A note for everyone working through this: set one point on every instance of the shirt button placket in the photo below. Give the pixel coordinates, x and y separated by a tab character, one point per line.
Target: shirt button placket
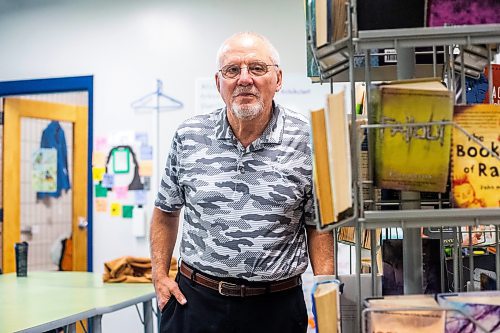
241	167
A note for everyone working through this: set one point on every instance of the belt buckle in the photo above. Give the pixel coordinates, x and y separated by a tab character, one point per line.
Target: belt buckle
221	283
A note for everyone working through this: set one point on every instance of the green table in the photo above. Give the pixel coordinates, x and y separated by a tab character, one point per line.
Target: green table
48	300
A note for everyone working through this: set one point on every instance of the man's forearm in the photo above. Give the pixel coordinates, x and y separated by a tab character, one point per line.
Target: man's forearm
320	251
163	234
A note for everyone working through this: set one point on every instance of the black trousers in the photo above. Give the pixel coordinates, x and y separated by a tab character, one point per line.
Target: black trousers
207	311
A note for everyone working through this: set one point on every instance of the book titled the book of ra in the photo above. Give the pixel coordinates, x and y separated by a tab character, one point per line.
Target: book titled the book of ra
412	144
475	156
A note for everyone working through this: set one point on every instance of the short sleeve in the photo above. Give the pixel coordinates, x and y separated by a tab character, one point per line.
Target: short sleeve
309	212
170	195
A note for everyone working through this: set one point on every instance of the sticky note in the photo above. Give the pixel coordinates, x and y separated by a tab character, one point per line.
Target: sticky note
121	192
146	168
108	180
97	173
146	152
101	205
100	192
98	159
127	211
101	143
116	209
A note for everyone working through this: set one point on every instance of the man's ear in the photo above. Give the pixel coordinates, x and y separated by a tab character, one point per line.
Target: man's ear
217	81
279	74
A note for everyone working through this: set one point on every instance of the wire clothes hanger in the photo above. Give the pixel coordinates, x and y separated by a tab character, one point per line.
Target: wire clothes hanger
163	101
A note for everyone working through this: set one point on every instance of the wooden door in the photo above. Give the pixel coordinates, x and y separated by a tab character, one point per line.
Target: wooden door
15	110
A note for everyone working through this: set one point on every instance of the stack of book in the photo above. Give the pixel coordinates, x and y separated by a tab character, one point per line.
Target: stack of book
331	162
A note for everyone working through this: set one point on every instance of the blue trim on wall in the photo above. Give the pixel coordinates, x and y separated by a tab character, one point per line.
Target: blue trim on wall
66	84
90	187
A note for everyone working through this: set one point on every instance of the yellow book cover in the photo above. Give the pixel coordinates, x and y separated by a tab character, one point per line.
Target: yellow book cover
321	169
412	150
475	172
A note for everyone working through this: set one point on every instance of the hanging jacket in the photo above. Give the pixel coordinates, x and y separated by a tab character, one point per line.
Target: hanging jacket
53	137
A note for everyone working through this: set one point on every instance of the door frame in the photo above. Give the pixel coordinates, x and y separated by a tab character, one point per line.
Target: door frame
58	85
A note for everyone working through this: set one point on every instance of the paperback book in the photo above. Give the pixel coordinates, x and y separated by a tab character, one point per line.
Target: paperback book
459	12
412	144
321	170
472	309
326	306
332	161
312	65
475	156
405	314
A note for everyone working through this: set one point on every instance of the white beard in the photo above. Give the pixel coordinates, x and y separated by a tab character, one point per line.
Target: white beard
247	112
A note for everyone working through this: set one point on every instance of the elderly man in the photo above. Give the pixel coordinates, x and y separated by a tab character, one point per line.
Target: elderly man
243	176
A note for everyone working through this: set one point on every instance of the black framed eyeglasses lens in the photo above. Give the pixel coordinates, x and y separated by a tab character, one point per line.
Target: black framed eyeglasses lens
254	68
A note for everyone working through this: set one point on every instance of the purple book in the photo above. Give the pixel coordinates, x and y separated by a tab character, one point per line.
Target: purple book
458	12
483	307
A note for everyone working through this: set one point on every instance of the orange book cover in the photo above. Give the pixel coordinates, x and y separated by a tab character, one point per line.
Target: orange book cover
475	167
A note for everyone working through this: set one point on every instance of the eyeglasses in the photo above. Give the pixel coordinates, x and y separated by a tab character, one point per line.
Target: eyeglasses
256	68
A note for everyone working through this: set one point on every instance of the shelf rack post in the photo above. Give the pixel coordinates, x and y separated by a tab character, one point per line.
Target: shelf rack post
412	242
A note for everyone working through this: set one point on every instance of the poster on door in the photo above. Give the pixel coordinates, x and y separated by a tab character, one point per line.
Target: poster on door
44	171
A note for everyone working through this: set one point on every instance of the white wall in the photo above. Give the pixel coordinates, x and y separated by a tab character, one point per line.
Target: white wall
127	45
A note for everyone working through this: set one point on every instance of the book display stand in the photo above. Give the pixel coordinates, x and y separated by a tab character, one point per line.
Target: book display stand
336	59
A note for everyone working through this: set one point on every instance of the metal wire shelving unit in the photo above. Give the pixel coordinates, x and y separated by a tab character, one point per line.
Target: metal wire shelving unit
408	216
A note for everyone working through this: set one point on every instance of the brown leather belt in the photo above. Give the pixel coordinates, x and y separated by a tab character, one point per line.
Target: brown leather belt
230	289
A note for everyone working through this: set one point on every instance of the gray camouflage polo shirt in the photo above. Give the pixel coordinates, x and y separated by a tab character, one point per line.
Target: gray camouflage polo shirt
245	209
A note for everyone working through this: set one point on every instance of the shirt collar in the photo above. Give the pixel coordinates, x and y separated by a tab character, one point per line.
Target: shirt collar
273	133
